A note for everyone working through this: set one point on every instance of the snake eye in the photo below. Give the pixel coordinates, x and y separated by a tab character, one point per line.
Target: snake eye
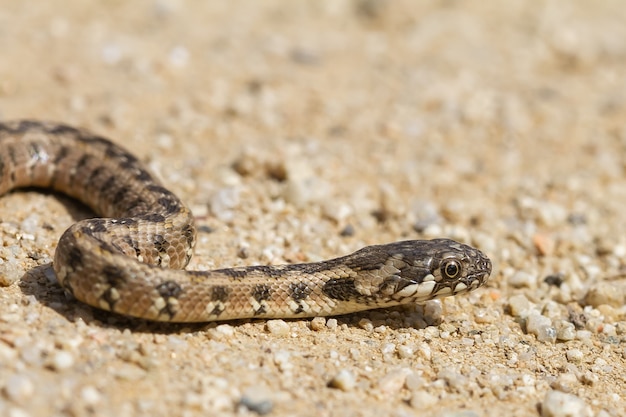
451	269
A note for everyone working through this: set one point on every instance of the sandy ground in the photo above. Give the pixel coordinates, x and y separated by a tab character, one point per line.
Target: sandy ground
299	131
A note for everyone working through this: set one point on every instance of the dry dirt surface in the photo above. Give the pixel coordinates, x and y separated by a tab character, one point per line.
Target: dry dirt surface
303	130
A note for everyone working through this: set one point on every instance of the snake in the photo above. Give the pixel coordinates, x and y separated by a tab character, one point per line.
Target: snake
132	259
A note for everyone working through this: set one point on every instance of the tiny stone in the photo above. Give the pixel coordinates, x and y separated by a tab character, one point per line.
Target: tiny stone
318	323
344	380
19	388
574	355
223	202
278	327
347	231
380	329
565	382
541	327
422	400
355	353
338	213
486	316
605	293
282	359
405	352
393	381
589	378
388	348
455	380
220	332
414	381
560	404
366	324
519	305
565	330
257	399
433	311
522	279
331	324
61	360
424	351
90	395
10	272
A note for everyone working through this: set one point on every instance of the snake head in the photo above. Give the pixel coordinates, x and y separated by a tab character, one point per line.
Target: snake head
419	270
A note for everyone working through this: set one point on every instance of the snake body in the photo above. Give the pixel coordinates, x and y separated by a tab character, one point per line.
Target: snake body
130	261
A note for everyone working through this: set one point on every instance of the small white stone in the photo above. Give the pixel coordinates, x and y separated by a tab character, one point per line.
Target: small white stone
19	388
433	311
90	395
405	351
178	56
522	279
318	323
223	203
278	327
344	380
519	305
605	293
282	359
560	404
565	330
424	351
10	272
220	332
61	360
541	327
422	400
258	399
393	381
574	355
332	324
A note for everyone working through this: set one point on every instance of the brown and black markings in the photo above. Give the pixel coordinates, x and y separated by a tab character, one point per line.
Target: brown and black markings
145	215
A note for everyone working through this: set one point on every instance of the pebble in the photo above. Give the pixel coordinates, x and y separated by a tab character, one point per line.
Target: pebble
565	330
221	332
318	323
343	380
366	324
433	312
560	404
541	327
282	359
574	355
90	395
422	400
224	202
10	271
278	327
424	351
258	400
19	388
522	279
332	324
393	381
61	360
519	305
455	380
405	351
605	293
387	349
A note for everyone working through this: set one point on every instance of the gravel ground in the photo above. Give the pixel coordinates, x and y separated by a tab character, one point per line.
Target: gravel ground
304	130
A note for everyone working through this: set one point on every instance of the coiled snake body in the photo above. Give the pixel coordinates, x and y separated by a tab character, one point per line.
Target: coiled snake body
130	261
